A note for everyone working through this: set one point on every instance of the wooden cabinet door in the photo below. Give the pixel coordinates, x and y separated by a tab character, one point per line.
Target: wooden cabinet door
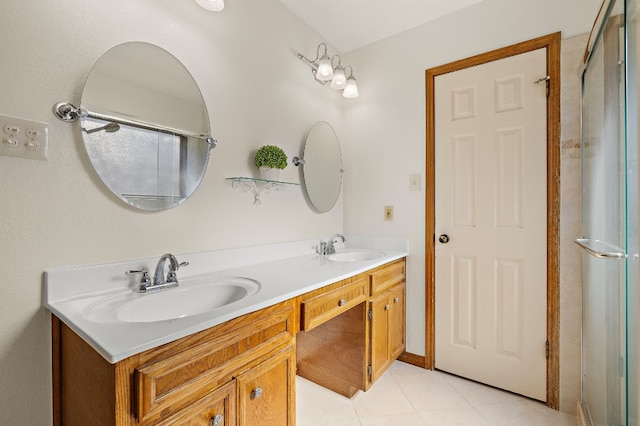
387	329
397	321
218	408
379	308
266	393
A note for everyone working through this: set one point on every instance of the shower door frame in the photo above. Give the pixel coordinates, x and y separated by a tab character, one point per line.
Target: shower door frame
609	28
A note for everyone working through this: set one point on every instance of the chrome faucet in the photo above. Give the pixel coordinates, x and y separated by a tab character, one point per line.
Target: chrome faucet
328	246
158	277
159	281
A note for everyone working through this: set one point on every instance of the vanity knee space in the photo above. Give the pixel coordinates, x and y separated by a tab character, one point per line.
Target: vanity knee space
351	331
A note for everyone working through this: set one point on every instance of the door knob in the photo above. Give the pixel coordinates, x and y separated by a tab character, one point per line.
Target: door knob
444	238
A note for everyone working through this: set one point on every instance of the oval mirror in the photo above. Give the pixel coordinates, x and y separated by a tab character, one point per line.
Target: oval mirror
145	126
322	167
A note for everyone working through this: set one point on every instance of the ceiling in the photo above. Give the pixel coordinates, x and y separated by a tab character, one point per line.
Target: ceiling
351	24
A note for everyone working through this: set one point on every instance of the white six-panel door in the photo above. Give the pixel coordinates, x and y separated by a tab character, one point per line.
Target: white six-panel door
491	277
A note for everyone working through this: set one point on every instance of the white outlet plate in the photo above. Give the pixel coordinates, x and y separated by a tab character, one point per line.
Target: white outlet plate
23	138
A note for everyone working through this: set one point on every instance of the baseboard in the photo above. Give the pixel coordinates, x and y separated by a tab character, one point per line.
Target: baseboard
582	415
413	359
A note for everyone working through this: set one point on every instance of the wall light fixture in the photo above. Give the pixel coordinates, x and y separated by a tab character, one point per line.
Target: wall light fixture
213	5
324	72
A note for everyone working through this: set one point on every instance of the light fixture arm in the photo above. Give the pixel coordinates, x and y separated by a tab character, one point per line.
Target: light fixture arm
313	65
350	72
318	52
324	71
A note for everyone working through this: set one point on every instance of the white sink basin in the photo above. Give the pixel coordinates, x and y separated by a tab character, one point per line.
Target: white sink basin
355	255
193	296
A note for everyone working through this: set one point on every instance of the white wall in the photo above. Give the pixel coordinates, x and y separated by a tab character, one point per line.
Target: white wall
386	126
59	213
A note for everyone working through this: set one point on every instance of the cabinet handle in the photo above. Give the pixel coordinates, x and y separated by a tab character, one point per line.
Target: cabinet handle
387	307
396	299
256	393
216	420
342	302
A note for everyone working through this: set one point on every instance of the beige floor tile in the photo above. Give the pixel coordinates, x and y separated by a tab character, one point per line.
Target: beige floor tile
383	399
409	419
523	413
476	393
316	421
410	396
321	405
428	390
465	416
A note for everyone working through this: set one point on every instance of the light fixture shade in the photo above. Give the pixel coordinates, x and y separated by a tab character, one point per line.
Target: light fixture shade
339	80
351	89
213	5
325	70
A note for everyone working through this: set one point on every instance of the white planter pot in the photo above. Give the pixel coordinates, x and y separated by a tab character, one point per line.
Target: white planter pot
268	173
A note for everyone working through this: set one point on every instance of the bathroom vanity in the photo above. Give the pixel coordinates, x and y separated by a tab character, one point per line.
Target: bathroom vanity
340	325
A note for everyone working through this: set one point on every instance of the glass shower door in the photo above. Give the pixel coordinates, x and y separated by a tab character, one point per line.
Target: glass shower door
604	225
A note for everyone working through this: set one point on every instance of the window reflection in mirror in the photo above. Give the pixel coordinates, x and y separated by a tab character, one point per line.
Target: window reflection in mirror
149	169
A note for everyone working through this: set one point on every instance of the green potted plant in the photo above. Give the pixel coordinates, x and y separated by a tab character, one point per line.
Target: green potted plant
270	159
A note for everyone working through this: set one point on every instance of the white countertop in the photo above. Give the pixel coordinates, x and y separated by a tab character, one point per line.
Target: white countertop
283	270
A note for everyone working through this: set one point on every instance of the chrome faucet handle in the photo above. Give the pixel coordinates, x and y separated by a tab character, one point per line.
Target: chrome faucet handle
336	237
171	275
181	264
145	280
330	248
322	248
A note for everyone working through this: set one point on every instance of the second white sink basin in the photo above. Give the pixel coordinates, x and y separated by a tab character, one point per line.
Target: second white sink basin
193	296
355	255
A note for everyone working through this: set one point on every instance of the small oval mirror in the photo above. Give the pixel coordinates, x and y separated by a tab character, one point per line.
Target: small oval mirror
145	126
322	169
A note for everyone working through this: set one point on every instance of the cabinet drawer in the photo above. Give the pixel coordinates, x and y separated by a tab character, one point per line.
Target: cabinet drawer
165	386
387	277
322	308
217	408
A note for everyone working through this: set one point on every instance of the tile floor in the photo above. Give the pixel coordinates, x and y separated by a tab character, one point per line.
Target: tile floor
410	396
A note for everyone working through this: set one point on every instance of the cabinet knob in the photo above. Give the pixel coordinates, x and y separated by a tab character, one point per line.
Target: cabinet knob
396	299
342	302
216	420
387	307
256	393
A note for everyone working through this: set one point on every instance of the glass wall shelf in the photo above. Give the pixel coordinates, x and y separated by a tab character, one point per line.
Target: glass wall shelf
258	186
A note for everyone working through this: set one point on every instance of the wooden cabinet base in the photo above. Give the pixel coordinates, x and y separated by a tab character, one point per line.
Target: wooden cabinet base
191	381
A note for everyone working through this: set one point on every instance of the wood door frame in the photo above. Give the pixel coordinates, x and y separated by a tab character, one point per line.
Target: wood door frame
551	43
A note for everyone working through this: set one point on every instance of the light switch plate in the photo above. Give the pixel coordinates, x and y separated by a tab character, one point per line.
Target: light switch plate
415	180
388	212
23	138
